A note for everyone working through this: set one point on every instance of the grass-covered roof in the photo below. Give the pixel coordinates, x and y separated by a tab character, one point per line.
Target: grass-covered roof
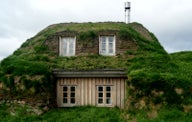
153	74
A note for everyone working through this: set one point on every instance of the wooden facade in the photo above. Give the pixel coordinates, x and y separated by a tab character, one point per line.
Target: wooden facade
102	88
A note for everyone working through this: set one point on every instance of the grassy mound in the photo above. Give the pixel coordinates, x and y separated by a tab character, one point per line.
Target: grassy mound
28	70
155	78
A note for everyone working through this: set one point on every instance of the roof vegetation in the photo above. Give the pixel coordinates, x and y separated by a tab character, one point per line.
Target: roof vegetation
155	78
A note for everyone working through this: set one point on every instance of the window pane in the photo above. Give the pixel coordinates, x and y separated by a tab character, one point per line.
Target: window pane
100	94
72	88
72	94
103	51
64	46
103	39
108	94
103	48
111	43
64	88
100	101
64	94
110	51
103	45
100	88
111	38
73	100
103	42
108	88
71	47
108	101
65	100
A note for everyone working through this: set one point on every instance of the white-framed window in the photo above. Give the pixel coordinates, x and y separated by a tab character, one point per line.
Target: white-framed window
107	45
69	94
67	46
104	95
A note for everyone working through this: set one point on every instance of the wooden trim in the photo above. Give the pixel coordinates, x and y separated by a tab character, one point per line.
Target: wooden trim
112	73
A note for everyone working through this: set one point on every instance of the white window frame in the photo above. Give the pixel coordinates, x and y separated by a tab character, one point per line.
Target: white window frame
69	97
104	92
107	53
61	46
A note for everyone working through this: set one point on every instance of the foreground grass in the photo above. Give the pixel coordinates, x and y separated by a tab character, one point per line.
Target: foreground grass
20	113
78	114
163	115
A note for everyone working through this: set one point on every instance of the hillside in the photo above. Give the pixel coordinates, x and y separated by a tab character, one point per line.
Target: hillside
155	78
183	61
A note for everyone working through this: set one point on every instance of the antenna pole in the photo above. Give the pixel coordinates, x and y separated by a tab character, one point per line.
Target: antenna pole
127	12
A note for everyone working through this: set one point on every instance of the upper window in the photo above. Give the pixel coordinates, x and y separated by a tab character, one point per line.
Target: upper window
107	45
67	46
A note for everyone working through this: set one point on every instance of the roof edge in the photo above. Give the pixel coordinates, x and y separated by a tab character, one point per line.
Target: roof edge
58	73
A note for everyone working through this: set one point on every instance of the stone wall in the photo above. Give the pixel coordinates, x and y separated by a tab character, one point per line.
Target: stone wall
85	46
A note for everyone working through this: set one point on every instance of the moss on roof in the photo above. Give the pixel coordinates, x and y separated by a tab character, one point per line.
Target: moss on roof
32	63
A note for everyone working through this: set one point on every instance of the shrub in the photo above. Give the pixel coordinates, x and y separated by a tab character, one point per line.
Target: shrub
17	66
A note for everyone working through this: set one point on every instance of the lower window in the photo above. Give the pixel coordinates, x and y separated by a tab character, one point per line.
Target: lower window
104	95
69	94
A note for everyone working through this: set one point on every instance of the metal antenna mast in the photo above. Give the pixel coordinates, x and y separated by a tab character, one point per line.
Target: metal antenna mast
127	12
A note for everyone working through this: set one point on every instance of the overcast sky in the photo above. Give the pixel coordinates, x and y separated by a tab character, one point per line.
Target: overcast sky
169	20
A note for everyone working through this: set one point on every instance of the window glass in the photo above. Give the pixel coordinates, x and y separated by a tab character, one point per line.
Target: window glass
100	94
108	101
103	45
108	95
65	100
111	38
64	88
100	88
100	100
71	47
64	47
103	38
72	88
72	94
64	94
108	88
72	100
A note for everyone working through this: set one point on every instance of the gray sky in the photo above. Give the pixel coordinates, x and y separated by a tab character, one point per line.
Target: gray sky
169	20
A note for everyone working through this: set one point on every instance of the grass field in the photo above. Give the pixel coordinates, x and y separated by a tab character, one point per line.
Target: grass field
15	113
20	113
